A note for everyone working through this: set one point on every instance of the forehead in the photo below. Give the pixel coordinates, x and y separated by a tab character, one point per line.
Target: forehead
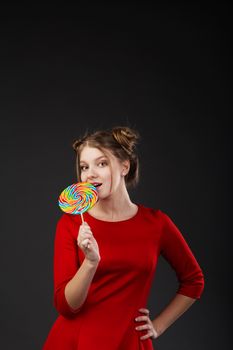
89	154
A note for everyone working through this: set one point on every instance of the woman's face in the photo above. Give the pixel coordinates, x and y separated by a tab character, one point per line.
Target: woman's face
96	168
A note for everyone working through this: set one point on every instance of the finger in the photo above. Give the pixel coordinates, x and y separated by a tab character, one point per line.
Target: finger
85	236
86	230
145	326
81	238
145	311
148	335
142	318
85	243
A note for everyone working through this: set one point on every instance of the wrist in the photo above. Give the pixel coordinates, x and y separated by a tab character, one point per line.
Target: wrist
159	329
91	263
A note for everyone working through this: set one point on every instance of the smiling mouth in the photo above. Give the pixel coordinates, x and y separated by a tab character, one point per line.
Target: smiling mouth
97	184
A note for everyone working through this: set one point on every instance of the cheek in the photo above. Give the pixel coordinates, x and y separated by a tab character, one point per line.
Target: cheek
82	176
115	179
107	173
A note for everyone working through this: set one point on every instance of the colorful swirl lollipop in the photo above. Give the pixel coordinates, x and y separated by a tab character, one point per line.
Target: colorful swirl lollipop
78	198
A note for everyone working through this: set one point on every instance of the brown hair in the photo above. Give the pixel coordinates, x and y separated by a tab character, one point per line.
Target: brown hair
121	141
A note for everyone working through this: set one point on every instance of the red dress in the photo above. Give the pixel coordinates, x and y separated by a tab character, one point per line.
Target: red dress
129	251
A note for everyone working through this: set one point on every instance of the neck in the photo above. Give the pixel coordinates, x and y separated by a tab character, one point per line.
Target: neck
114	205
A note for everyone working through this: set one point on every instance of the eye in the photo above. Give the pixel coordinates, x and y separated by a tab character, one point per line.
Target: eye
82	167
103	163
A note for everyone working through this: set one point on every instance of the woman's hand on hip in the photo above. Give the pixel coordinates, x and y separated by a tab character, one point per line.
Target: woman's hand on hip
148	326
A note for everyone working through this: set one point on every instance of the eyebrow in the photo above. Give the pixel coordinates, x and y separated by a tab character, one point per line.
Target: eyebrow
83	161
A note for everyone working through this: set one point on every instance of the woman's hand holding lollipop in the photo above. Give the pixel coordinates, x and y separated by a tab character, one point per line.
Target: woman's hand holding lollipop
88	244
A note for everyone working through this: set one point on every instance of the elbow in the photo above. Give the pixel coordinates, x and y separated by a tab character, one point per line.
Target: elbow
200	283
61	305
193	286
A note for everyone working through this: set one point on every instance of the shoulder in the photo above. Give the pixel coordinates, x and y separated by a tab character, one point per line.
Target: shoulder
65	223
67	219
64	219
154	214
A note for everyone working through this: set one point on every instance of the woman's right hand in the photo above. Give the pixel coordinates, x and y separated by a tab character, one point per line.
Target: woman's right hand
88	244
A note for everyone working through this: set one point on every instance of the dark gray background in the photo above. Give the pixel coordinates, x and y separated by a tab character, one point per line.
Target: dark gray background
163	70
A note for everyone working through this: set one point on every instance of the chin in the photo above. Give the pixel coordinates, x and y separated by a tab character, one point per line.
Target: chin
104	196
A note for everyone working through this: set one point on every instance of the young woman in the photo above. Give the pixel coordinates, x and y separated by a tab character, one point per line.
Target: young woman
103	269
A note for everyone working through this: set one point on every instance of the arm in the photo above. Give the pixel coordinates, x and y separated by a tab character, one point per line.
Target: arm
77	288
176	251
71	280
177	306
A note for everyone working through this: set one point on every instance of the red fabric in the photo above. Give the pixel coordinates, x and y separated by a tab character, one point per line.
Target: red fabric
129	253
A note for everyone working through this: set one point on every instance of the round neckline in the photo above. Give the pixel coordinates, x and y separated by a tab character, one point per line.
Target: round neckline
116	222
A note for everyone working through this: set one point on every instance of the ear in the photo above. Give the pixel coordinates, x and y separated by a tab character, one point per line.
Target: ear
125	167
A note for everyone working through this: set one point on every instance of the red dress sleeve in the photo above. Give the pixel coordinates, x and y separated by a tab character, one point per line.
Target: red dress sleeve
176	251
65	264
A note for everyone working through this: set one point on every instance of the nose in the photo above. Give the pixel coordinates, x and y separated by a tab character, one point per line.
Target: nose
90	175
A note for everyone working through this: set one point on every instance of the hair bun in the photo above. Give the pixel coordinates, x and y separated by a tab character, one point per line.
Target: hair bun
126	137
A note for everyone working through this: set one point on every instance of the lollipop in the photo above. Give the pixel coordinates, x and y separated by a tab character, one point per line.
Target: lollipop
78	198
